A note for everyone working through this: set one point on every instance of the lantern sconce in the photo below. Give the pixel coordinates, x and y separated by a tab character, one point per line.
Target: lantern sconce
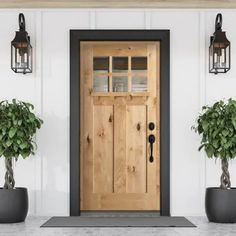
21	50
219	50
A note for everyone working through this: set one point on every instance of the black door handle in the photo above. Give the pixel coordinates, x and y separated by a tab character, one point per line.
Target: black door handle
151	140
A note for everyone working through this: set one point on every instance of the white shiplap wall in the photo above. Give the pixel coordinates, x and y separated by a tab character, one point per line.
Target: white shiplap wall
47	174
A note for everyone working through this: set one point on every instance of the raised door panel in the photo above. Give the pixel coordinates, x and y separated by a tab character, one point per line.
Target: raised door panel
136	136
103	149
120	169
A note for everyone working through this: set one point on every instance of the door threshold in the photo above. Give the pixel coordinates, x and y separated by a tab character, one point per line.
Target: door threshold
120	213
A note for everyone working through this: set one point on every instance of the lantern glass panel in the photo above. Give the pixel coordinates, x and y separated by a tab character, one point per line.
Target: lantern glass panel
219	60
21	58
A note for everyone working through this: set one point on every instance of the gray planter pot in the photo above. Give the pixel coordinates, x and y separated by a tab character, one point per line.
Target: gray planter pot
220	205
13	205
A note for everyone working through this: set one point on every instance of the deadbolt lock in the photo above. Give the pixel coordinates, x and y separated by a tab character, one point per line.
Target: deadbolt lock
151	126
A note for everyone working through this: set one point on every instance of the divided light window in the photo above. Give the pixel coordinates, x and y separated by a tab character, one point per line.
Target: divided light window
120	74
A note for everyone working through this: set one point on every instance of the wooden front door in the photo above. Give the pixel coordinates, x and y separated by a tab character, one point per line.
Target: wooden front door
119	99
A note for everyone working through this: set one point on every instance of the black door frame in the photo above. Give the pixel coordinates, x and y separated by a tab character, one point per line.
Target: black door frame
76	36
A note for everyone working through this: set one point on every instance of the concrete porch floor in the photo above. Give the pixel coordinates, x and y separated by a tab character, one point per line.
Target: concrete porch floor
32	228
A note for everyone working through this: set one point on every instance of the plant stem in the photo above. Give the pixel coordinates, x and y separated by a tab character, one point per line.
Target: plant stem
9	178
225	177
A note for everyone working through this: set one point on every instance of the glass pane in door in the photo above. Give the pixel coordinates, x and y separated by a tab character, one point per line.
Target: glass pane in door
139	84
100	84
120	64
120	84
139	64
101	64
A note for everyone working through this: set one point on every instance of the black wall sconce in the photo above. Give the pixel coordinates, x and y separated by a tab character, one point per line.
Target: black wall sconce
21	50
219	50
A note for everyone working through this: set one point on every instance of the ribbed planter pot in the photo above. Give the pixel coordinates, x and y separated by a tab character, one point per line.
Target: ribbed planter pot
13	205
220	205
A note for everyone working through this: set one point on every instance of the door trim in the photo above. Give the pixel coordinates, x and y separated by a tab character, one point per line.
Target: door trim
76	36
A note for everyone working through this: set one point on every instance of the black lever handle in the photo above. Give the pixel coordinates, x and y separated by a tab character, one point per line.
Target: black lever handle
151	140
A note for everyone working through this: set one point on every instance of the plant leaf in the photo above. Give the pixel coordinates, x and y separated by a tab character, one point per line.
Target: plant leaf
23	145
9	142
12	132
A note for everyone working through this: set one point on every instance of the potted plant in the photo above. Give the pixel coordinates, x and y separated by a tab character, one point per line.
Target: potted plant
18	125
217	128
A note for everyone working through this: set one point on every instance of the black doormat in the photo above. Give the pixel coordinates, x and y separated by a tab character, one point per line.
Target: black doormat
87	221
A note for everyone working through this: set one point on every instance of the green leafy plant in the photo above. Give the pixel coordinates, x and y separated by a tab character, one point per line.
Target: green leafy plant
18	125
217	127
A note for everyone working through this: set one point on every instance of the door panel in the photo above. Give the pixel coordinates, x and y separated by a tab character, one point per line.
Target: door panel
120	148
119	97
136	133
103	149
